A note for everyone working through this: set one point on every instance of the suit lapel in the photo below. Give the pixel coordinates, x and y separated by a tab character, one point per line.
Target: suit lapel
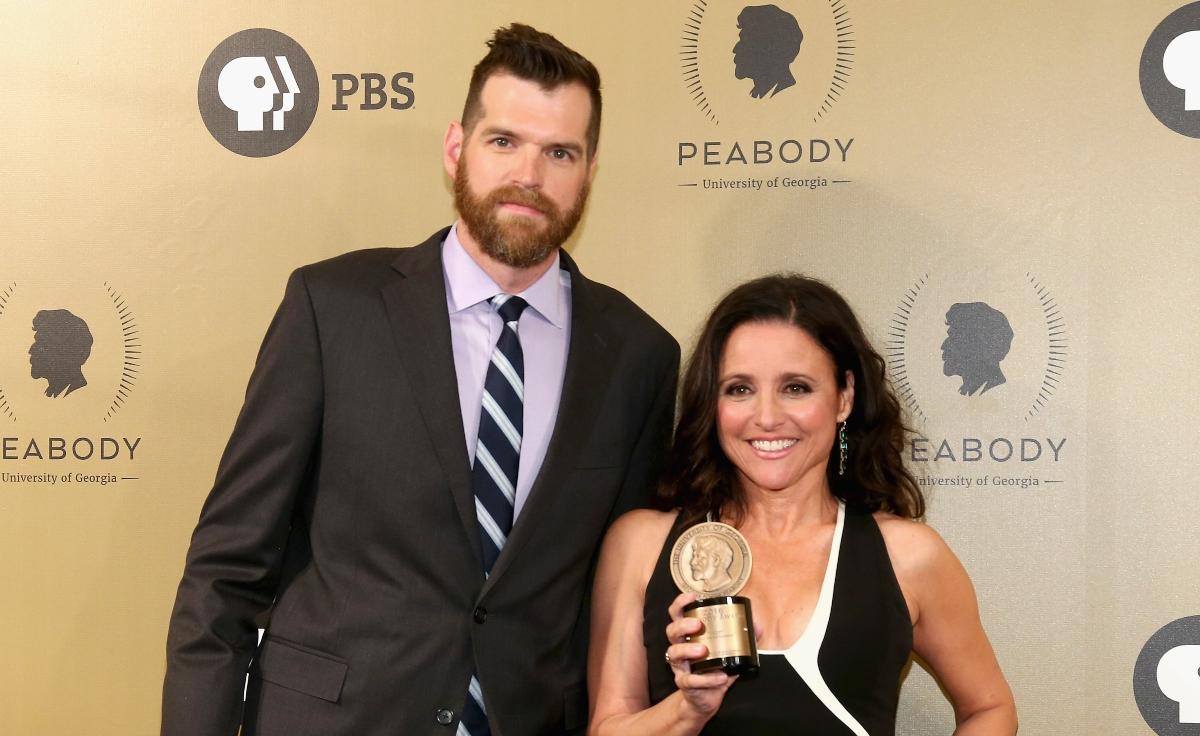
585	382
416	307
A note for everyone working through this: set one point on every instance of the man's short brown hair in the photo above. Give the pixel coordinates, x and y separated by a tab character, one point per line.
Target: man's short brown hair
527	53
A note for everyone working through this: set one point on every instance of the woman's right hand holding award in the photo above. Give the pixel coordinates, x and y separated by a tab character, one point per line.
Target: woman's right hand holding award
703	692
712	561
711	631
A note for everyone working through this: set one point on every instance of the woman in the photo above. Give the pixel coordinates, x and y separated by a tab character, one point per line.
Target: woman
845	583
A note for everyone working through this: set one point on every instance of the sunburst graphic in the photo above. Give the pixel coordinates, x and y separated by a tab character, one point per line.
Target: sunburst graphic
846	47
689	56
843	48
897	334
4	405
898	343
132	363
1056	348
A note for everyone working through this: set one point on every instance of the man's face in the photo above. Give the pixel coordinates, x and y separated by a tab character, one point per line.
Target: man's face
521	174
955	355
748	60
39	358
703	566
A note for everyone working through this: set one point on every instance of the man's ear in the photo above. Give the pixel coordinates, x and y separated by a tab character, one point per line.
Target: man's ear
452	148
592	166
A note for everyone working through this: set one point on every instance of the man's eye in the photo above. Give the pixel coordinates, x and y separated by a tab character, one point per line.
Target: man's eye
561	154
501	142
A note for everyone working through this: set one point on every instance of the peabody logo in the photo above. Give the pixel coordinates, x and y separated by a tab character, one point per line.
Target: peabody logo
80	350
62	343
258	92
1166	679
1170	71
978	345
791	57
763	73
75	355
978	359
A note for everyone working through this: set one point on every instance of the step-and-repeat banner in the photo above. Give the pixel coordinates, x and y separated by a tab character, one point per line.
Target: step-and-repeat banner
1007	192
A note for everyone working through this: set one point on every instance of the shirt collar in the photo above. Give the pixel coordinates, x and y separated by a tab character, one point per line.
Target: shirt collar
467	284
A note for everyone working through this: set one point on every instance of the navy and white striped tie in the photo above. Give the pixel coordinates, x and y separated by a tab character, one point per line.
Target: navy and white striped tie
497	458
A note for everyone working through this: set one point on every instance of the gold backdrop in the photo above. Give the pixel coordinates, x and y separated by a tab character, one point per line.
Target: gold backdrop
928	154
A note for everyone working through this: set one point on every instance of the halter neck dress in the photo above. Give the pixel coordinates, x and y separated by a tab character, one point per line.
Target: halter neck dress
841	677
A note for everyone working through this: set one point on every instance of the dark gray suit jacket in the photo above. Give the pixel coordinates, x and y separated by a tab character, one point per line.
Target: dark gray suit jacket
343	508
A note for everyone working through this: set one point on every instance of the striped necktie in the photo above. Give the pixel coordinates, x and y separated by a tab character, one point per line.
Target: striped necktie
497	457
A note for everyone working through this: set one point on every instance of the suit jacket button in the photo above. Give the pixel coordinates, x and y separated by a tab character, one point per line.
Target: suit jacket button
445	716
480	615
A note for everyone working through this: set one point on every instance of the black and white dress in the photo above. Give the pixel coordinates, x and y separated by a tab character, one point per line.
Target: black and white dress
841	677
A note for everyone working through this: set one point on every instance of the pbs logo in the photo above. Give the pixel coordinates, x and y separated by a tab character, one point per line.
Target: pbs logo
258	92
1166	679
1170	71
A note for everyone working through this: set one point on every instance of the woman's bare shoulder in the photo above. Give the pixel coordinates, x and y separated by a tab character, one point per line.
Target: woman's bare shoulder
632	546
642	527
910	543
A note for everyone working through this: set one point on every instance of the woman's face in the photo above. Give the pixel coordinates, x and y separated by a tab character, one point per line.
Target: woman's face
778	405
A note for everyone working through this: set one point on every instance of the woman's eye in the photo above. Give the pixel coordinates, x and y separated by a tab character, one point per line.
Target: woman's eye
737	389
796	388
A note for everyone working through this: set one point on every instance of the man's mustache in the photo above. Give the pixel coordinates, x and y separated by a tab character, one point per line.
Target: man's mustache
525	197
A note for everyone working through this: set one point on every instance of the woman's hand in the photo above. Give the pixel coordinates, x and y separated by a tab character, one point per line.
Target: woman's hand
702	693
617	666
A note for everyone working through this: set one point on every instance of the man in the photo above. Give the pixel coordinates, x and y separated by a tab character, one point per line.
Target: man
768	42
978	338
711	559
62	343
421	474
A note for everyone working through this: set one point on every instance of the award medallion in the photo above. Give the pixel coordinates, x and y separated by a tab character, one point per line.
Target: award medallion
712	561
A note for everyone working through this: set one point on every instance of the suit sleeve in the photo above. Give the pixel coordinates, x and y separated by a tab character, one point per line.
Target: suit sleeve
236	550
650	452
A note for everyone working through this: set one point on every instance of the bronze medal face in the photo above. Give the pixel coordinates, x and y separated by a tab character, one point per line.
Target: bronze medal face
711	559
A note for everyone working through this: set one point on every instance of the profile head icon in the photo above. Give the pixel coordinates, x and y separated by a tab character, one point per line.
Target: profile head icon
1181	65
1178	675
62	343
711	559
248	86
767	45
978	337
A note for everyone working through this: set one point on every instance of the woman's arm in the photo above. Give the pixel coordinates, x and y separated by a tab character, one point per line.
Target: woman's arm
617	657
947	632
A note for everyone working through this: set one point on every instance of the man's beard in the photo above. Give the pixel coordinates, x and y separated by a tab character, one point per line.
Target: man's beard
515	241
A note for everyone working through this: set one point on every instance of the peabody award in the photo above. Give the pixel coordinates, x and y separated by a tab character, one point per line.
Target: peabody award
712	560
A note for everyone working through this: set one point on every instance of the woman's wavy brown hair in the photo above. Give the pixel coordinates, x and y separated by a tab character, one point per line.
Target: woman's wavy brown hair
699	478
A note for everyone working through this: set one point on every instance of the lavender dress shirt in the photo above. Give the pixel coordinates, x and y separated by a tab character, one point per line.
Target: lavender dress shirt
545	332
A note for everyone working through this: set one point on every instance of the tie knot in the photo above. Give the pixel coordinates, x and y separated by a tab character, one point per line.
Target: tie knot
509	307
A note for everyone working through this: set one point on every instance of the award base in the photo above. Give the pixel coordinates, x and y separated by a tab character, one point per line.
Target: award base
728	633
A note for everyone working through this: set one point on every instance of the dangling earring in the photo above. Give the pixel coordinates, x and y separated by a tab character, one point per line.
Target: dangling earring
843	449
